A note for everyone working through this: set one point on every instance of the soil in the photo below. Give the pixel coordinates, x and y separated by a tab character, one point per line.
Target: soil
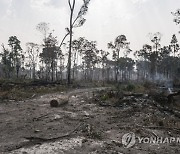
84	126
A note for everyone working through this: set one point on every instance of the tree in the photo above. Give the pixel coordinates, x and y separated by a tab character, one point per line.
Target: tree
125	65
103	60
77	22
176	16
154	55
119	43
49	55
61	65
43	27
147	55
33	54
77	48
155	39
89	58
6	62
174	44
16	54
143	67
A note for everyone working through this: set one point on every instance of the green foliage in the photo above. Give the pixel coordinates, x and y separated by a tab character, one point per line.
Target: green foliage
119	43
176	16
12	59
20	90
104	97
130	87
174	45
125	63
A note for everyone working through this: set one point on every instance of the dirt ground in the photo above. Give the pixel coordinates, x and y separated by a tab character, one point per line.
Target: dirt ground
84	126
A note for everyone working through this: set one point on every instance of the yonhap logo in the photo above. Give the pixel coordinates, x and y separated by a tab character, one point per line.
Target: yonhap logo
128	140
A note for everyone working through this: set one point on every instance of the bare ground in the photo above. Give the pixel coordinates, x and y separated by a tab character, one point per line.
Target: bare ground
83	126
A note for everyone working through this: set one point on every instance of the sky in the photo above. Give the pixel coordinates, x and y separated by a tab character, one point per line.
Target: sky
105	20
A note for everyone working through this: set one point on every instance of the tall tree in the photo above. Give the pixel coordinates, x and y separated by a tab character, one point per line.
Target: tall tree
6	62
154	55
33	55
126	66
77	46
174	44
43	27
49	55
103	60
147	56
143	67
16	53
90	58
119	43
176	16
77	22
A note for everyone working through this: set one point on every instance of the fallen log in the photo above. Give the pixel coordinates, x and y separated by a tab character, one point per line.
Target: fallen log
58	103
41	139
135	94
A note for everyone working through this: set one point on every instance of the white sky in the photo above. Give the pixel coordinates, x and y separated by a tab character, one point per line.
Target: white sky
106	19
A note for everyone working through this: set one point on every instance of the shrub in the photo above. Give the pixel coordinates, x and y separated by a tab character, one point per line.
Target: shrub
130	87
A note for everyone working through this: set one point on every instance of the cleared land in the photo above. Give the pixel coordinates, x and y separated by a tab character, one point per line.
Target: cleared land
90	123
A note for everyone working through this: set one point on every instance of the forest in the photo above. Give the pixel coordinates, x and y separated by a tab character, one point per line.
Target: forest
69	96
80	59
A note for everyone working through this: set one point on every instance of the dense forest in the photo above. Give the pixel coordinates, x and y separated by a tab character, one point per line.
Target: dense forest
80	59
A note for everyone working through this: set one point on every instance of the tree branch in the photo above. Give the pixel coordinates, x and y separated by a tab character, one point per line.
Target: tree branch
75	20
63	40
69	4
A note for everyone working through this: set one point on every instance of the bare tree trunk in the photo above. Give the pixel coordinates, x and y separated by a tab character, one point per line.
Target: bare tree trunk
34	72
74	65
70	41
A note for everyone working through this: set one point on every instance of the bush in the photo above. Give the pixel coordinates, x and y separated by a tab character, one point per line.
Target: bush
130	87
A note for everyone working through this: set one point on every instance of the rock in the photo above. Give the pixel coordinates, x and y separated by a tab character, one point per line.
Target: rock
36	131
56	117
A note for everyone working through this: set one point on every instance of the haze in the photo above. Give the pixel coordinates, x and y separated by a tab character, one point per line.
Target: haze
106	19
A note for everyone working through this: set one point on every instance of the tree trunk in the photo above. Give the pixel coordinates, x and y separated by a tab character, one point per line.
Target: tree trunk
70	42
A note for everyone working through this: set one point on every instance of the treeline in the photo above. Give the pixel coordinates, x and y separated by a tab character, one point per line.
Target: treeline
51	62
156	62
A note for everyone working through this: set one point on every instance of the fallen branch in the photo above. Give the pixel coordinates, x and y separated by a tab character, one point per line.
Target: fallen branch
40	139
42	116
168	109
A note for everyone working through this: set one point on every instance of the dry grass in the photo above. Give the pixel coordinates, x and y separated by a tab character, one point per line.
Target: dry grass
21	91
